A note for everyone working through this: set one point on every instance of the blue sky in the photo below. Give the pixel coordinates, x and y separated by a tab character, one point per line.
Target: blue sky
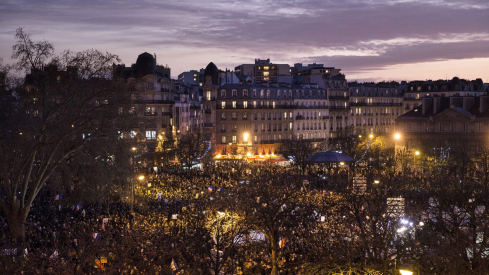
369	40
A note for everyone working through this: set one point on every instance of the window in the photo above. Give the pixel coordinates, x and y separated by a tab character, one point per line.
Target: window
273	104
150	111
132	134
151	135
223	104
245	93
223	116
234	104
223	139
234	92
234	139
223	93
245	104
285	115
254	104
208	95
290	125
233	115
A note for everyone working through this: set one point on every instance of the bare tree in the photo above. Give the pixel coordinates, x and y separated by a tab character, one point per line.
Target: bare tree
62	108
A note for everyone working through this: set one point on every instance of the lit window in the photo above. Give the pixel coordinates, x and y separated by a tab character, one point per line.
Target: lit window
273	104
254	104
266	68
151	135
208	95
234	104
290	125
132	134
234	139
245	104
266	74
223	139
285	115
223	104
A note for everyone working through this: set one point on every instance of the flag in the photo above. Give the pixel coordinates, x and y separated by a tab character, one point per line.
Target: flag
57	197
95	235
209	189
220	189
173	265
282	241
78	207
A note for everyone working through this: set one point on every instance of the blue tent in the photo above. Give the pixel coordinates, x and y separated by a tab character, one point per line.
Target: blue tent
327	157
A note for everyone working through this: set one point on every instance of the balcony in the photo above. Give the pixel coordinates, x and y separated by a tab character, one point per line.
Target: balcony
339	97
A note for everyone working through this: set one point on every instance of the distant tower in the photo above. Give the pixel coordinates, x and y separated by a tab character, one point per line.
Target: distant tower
210	87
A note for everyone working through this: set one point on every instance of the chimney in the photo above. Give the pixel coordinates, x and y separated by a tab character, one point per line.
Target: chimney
427	103
484	101
456	101
436	105
468	102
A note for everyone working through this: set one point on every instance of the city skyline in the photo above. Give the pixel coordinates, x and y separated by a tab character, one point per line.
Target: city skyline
369	40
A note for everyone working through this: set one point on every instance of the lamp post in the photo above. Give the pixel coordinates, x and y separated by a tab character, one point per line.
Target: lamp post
397	136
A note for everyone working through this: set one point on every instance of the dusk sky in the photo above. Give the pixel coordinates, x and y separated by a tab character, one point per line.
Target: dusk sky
368	39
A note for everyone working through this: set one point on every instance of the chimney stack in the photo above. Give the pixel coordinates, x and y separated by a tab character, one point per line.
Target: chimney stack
427	103
468	102
436	104
484	101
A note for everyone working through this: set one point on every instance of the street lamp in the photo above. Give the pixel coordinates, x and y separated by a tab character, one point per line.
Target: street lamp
397	136
405	272
246	136
417	153
371	136
141	177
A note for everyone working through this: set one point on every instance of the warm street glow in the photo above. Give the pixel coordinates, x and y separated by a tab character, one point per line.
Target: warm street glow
371	136
141	177
397	136
133	149
417	153
246	135
405	272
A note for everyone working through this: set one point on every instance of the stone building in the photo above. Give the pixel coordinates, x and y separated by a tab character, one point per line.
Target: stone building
374	109
161	111
442	122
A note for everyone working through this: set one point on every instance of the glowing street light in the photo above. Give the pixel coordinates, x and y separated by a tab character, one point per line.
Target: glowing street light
371	136
141	177
405	272
397	136
417	153
246	136
134	149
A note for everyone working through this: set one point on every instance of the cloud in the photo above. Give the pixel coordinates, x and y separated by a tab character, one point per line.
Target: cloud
355	35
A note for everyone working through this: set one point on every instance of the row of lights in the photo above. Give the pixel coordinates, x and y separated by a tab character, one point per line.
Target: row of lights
397	136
